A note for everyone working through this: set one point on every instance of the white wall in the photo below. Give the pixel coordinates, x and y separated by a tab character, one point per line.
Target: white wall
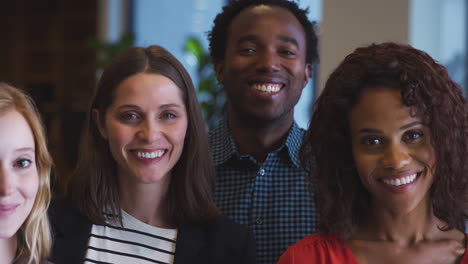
348	24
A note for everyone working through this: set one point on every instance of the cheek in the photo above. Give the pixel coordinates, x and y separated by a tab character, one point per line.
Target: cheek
182	133
117	135
178	134
364	170
365	166
426	156
236	65
298	68
30	185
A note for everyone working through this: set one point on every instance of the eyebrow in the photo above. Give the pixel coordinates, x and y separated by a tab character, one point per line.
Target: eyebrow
26	149
163	106
254	38
247	38
411	124
289	39
371	130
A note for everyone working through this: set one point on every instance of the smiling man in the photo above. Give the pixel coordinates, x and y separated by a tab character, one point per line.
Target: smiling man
263	51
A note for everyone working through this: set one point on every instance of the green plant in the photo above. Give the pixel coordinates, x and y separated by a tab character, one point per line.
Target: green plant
210	93
107	51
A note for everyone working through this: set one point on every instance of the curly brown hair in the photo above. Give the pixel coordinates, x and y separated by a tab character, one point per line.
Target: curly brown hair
427	89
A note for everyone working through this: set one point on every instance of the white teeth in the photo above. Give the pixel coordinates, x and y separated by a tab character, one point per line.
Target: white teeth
268	88
150	155
400	181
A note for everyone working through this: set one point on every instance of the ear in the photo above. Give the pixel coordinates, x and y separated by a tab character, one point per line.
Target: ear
219	70
307	73
99	124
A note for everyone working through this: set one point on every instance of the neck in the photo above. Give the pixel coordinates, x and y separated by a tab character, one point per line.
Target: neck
8	249
404	228
144	201
258	137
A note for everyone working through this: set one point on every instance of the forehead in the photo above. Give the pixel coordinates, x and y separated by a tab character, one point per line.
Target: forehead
15	132
147	87
254	20
380	107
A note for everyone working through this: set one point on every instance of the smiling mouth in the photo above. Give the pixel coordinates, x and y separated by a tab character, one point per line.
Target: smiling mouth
267	87
401	181
150	155
7	209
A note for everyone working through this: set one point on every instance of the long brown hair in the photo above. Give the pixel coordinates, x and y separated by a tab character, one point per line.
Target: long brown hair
94	186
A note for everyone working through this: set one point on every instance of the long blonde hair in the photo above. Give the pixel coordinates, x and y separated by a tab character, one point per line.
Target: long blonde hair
34	239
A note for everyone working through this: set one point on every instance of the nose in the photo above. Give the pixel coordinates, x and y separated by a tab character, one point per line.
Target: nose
396	157
7	185
149	131
268	61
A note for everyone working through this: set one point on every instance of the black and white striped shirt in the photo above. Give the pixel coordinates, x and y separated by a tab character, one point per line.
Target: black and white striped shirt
135	242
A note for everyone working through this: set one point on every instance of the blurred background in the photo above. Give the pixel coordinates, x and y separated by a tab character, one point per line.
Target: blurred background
56	49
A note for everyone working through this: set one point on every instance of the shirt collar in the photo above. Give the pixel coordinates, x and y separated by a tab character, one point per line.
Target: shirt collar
222	143
223	146
293	143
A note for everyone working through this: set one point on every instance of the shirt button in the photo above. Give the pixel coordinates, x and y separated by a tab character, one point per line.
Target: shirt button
262	172
259	220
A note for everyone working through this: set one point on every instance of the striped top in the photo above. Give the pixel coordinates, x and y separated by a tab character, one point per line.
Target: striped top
135	242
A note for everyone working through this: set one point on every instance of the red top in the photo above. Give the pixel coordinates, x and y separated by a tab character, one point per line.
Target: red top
318	248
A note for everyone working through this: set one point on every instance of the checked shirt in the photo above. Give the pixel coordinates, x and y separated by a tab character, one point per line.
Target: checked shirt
272	198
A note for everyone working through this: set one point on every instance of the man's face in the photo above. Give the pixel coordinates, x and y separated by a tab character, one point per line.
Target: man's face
264	68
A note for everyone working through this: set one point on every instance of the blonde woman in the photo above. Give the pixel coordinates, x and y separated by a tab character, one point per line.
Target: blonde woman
24	181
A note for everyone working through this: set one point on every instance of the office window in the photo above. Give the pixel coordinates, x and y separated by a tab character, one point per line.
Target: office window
439	27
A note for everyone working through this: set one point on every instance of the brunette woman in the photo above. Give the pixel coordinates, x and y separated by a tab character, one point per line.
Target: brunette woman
142	189
389	135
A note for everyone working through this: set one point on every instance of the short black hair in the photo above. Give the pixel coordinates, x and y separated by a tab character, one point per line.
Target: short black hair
218	35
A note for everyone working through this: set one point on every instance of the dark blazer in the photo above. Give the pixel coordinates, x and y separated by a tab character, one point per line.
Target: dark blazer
217	241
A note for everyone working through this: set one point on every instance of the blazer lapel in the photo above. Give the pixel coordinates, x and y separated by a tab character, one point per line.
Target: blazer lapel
71	234
190	241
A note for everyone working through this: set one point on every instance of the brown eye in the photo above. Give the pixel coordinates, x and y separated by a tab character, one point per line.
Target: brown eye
288	53
23	163
371	141
128	116
247	51
412	135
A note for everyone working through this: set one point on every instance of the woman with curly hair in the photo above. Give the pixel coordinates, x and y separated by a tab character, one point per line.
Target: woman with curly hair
388	148
25	166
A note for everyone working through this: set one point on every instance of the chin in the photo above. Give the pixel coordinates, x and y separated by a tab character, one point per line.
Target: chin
148	179
8	232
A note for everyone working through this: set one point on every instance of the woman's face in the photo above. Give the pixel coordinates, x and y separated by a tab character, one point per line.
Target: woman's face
19	179
145	127
392	150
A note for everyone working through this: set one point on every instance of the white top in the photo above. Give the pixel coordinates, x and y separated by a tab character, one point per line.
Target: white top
135	242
